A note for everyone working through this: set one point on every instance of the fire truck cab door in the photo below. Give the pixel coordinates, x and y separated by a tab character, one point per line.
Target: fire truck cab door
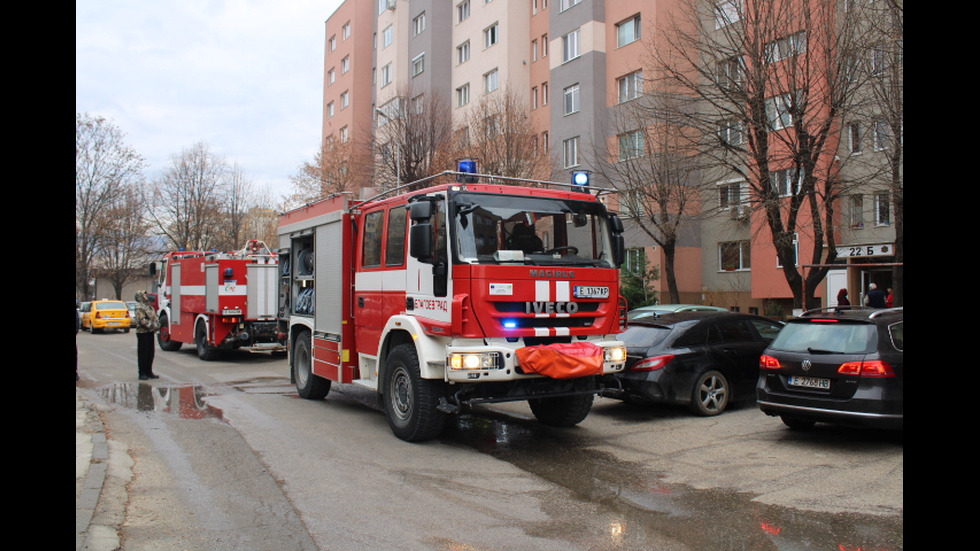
428	283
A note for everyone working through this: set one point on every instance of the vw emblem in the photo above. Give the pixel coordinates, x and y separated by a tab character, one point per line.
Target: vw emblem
806	365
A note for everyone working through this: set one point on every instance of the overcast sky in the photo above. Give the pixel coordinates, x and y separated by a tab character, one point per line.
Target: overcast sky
244	77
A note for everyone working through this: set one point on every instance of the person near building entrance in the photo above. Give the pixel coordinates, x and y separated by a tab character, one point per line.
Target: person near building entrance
890	299
875	297
147	323
842	299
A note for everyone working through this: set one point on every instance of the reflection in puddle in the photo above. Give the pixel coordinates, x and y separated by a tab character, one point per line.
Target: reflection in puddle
186	401
634	508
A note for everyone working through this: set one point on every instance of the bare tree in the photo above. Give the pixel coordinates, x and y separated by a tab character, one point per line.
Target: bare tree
189	199
413	139
330	172
500	136
128	247
104	167
771	79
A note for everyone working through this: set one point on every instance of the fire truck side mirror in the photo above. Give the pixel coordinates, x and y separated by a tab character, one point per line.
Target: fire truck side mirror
618	242
421	211
153	268
420	236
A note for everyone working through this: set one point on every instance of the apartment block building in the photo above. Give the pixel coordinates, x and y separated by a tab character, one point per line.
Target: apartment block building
577	65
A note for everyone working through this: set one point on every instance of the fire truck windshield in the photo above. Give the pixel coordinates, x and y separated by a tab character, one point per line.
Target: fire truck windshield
494	229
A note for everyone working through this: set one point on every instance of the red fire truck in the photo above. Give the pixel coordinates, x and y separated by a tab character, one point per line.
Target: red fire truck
455	294
219	301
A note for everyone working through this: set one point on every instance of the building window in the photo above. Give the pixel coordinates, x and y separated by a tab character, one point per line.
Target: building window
854	137
418	65
534	97
734	255
570	152
786	182
345	64
786	47
565	4
344	135
630	145
330	110
571	99
346	31
729	195
779	111
883	215
796	252
463	95
418	24
344	99
727	12
491	35
463	52
628	31
387	36
534	50
331	76
731	132
386	75
731	73
491	81
882	135
333	43
544	93
544	45
569	46
630	86
462	11
636	261
856	214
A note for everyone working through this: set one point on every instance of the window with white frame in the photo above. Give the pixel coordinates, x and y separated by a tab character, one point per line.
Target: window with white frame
570	152
731	73
630	145
855	215
491	35
345	64
569	46
462	11
628	31
731	132
734	256
463	52
779	111
786	46
344	99
333	43
386	75
796	252
534	50
727	12
854	137
346	31
786	182
883	216
544	45
387	36
330	110
565	4
544	93
630	86
571	99
534	97
331	76
463	95
730	195
418	65
882	135
418	24
491	81
344	134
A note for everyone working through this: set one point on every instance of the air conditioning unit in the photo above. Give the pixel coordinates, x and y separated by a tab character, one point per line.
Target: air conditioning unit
390	4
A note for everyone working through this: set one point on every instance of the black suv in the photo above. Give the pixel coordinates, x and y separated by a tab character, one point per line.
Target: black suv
836	365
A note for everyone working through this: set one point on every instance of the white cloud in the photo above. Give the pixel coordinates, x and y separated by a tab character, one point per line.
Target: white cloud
243	76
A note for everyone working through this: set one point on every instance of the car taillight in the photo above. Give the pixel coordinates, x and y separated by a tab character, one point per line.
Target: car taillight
98	315
876	368
652	364
768	362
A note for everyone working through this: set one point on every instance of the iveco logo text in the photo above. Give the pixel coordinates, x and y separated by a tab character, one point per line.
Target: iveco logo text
565	274
540	307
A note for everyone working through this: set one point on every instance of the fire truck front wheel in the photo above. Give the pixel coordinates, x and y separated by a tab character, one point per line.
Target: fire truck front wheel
411	402
308	385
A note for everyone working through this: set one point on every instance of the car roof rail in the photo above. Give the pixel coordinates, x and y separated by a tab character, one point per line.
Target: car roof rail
886	311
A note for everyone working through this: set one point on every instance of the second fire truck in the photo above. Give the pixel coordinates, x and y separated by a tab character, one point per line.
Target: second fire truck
457	294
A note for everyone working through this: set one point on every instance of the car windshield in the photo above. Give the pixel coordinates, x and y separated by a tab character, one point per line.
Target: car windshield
644	336
110	306
492	229
840	338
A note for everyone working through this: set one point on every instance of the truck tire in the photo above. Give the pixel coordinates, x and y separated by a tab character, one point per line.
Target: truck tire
163	336
308	385
562	411
411	402
204	349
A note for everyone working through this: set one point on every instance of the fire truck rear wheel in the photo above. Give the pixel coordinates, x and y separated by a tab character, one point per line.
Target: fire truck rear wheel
562	411
204	349
308	385
411	402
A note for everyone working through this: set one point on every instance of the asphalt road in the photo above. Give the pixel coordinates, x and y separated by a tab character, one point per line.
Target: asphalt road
224	455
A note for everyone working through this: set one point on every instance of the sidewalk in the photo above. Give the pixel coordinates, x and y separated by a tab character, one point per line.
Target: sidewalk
96	524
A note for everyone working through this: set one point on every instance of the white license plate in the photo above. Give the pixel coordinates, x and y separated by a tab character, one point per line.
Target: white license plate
584	291
113	323
810	382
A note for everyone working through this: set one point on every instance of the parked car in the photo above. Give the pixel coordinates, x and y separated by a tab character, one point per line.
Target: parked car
836	365
131	306
84	311
106	314
656	309
700	359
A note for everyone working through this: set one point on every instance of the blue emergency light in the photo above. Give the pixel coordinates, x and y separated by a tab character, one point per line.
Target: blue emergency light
581	178
467	166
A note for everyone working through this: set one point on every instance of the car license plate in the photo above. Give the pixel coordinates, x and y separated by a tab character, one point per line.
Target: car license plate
585	291
810	382
113	323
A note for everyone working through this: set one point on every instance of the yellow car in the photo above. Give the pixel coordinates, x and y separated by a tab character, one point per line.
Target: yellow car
106	314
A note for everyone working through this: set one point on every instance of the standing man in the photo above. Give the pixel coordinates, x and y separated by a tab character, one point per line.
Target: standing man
875	297
147	323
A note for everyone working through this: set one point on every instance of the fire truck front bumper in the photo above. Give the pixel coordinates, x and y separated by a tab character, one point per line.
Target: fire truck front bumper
491	363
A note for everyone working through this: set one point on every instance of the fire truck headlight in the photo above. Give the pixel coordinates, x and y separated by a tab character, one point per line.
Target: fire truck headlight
482	360
615	354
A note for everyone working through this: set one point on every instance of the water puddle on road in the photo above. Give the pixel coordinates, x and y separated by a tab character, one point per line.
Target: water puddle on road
633	507
185	401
